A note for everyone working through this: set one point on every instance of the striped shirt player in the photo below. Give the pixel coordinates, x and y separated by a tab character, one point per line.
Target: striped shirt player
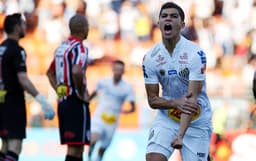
173	73
73	112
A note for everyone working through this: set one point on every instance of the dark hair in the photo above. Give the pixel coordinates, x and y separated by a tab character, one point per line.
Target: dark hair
173	5
11	21
118	62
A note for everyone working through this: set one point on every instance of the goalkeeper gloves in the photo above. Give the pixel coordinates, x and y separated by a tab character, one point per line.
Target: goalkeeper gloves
46	107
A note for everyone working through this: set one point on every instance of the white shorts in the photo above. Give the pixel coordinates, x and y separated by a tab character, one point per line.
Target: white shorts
105	131
195	147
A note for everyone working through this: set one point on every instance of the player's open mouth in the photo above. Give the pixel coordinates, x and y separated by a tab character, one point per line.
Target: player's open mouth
168	28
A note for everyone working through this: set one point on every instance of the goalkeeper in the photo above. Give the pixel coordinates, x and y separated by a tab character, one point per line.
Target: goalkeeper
13	82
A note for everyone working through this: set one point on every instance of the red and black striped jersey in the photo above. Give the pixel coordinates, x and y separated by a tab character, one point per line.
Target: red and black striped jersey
70	52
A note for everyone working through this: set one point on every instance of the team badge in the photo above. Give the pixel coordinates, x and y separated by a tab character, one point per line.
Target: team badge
162	72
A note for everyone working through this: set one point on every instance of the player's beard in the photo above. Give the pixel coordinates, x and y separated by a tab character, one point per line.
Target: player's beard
21	34
85	35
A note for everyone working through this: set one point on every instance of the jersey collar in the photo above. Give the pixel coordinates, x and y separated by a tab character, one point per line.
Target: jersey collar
75	38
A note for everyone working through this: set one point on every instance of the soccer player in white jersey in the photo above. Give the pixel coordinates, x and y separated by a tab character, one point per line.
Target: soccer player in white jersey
184	114
113	92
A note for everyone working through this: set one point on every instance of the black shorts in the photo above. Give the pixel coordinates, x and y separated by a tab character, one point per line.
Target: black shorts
74	121
13	118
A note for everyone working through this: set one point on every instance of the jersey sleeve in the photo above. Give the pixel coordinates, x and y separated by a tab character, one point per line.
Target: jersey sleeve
197	66
99	85
20	61
80	55
52	65
149	73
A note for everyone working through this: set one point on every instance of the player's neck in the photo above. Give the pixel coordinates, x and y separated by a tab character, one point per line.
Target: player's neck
116	80
170	44
13	37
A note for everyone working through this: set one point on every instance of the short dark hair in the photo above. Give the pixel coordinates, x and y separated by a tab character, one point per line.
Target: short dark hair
11	21
173	5
118	62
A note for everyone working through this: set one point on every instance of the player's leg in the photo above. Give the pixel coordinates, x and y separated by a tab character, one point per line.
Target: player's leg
100	154
184	123
155	156
105	140
196	144
95	136
74	153
14	149
14	123
158	148
3	149
75	137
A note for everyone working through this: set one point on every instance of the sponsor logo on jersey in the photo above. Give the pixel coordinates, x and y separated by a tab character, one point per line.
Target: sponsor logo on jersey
201	155
202	56
171	72
183	58
160	60
203	69
144	71
154	52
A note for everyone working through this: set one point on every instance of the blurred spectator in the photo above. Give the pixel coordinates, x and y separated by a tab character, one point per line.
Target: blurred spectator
190	31
108	22
128	16
225	40
254	85
142	23
56	26
81	7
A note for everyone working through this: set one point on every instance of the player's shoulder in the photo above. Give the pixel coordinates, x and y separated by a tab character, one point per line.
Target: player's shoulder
126	85
194	50
190	45
152	52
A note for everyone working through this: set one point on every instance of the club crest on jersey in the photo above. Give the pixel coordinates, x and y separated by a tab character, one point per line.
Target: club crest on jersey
184	73
162	72
160	60
183	58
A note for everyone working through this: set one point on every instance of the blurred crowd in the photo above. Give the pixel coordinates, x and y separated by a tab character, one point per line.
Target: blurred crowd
126	29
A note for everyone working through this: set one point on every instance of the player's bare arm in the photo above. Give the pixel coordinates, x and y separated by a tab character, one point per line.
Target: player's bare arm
94	94
27	84
52	78
132	108
194	88
156	102
30	88
78	75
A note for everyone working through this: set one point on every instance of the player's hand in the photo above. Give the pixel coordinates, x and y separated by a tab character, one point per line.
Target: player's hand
48	111
46	107
187	106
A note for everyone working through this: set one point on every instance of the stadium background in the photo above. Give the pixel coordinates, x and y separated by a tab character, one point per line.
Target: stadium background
126	29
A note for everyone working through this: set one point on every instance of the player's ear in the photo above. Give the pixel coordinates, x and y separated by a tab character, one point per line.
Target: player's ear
183	24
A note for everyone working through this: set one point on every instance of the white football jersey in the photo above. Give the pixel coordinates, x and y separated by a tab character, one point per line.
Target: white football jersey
112	96
173	73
